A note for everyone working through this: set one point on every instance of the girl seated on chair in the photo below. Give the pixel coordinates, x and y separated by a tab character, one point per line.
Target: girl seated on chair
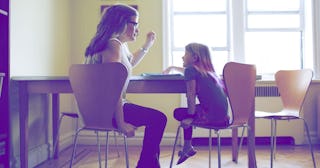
203	83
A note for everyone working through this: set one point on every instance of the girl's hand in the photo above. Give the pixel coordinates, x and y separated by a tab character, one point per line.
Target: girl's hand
186	122
127	129
151	37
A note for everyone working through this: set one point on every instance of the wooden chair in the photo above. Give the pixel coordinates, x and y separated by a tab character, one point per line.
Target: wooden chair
293	86
240	82
97	89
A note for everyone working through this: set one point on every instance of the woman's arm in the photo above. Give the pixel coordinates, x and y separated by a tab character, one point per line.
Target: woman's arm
112	54
124	127
138	55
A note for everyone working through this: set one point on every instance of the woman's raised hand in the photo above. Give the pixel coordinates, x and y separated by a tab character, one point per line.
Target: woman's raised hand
151	37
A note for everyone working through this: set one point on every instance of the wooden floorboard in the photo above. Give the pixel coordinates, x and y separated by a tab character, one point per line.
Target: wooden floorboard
288	156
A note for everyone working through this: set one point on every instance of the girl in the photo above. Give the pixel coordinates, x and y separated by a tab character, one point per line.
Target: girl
119	25
203	83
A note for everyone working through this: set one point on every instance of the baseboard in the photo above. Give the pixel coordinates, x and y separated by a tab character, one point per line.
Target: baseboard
90	139
36	156
42	153
204	141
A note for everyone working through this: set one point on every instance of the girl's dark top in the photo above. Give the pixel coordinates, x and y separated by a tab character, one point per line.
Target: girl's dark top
211	95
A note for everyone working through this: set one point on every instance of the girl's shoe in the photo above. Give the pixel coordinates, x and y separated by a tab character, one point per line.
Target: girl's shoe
185	155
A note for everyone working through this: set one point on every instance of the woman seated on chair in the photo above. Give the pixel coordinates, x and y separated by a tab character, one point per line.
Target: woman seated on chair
119	25
204	83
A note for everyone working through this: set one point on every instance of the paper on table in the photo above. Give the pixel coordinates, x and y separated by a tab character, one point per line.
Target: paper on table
159	75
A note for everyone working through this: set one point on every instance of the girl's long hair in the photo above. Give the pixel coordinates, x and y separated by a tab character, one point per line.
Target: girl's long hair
112	24
202	54
204	65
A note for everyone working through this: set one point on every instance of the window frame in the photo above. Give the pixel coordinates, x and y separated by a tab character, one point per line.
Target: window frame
237	29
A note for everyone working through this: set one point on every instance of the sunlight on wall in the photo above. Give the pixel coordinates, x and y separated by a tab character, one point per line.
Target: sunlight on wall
39	37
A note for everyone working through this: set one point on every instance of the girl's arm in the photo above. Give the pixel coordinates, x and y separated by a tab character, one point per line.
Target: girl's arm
191	99
138	55
191	96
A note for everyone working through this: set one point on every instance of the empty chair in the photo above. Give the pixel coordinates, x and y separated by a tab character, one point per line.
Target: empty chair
293	86
240	83
97	89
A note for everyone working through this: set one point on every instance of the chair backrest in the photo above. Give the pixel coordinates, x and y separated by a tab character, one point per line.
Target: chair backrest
240	82
97	89
293	86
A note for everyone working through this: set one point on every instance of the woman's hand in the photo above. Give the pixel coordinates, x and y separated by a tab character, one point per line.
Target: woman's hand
186	122
151	37
168	70
127	129
173	69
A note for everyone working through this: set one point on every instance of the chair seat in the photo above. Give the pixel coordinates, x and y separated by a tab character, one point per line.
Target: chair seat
204	123
284	114
70	114
101	129
210	126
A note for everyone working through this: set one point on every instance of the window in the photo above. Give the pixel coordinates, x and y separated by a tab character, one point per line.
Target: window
271	34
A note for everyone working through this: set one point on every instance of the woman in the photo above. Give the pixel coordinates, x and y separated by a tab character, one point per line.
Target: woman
119	25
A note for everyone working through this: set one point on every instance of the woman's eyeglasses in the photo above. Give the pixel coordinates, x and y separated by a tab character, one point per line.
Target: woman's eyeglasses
135	24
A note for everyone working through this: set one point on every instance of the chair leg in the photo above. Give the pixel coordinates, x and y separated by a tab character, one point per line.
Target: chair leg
74	148
99	148
174	146
241	141
275	140
126	150
107	150
219	148
116	142
58	133
272	141
310	143
210	146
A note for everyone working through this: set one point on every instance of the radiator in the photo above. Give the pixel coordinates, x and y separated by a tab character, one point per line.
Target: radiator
267	99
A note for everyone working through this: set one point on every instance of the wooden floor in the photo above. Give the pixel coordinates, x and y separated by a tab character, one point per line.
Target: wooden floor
287	157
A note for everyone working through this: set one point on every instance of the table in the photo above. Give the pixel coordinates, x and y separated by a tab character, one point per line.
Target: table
55	85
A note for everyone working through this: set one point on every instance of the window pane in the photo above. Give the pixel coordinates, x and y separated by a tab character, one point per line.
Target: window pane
199	5
207	29
272	51
219	59
273	21
177	58
273	5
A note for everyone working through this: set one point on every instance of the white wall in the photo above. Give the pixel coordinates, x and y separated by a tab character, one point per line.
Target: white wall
39	45
39	37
